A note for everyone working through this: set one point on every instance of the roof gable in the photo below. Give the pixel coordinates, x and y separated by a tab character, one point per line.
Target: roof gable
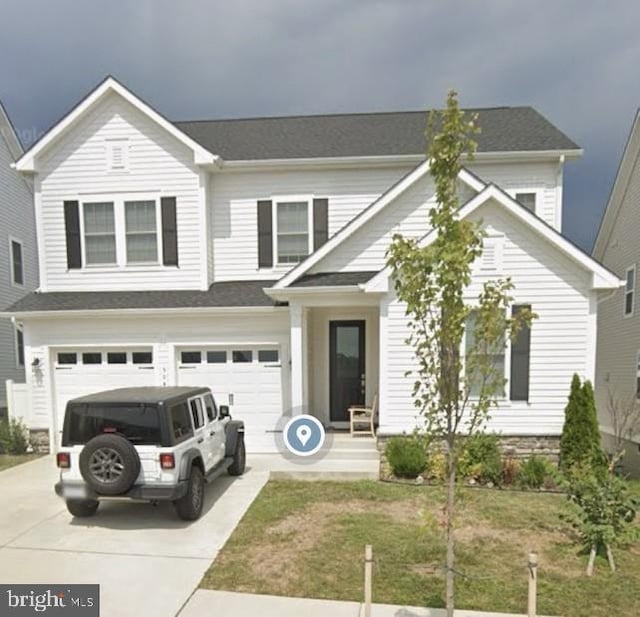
8	134
616	197
28	161
602	278
365	216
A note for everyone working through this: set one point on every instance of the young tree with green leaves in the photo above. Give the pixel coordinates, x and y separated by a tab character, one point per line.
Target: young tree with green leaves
453	392
580	442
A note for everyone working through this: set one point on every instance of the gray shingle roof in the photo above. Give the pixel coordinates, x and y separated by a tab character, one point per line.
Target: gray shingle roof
329	279
231	293
504	129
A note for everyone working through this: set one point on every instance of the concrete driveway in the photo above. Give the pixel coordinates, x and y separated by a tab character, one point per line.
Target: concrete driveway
146	561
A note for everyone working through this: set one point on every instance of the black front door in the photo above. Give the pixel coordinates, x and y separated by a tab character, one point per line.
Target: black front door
346	367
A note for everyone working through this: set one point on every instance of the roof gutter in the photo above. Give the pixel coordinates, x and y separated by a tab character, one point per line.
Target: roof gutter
387	160
200	310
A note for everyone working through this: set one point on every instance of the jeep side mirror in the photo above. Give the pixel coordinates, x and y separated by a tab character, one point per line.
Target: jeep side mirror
224	411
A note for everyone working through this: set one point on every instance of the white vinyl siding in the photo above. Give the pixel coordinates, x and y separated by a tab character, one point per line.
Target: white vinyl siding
233	225
150	342
75	168
542	178
559	294
17	224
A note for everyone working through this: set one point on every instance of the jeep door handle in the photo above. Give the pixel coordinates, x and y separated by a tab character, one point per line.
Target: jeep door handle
201	440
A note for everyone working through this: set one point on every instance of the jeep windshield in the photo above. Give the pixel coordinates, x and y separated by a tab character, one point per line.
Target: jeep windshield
139	423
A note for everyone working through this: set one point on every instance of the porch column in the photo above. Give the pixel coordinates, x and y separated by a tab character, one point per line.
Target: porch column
297	316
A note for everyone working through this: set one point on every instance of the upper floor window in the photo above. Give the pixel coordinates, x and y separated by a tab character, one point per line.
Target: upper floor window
629	290
527	199
293	242
99	233
141	231
17	267
120	231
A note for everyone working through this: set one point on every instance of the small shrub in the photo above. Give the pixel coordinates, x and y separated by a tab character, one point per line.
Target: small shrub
510	471
437	466
13	436
481	458
406	457
536	472
580	441
602	510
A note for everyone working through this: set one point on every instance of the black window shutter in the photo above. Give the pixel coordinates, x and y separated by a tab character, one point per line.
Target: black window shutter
72	227
169	231
265	234
520	352
320	222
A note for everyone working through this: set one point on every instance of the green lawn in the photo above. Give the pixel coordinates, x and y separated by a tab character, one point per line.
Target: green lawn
11	460
307	539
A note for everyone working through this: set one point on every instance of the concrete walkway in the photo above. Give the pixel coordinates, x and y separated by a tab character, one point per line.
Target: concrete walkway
206	603
146	560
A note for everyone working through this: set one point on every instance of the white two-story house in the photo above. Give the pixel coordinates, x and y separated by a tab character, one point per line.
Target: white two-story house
249	255
18	261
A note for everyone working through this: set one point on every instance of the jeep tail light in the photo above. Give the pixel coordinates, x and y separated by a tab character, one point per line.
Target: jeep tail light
64	460
167	461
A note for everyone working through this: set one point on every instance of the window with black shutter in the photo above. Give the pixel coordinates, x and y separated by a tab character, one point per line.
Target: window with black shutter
520	356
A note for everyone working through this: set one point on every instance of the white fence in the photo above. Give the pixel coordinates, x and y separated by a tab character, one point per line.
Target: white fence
18	402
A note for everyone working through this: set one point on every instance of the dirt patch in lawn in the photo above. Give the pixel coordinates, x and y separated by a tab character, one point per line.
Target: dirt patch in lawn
286	543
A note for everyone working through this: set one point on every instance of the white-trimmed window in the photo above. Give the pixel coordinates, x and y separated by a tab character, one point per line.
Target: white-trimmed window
121	231
19	348
498	355
16	261
527	199
293	224
629	290
99	232
141	230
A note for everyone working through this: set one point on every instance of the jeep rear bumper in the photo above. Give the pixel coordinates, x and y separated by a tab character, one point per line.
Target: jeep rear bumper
79	491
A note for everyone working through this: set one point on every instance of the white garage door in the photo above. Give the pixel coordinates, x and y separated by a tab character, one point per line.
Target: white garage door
247	378
85	371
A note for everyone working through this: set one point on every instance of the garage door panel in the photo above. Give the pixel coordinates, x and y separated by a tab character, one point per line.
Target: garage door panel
74	379
252	389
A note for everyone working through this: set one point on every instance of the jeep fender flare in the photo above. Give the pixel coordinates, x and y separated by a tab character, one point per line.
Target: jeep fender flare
233	431
187	460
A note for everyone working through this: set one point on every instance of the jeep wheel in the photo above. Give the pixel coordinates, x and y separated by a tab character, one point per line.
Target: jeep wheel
189	507
82	508
239	458
109	464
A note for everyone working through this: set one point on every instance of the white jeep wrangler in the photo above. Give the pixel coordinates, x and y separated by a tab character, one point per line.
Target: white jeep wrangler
149	444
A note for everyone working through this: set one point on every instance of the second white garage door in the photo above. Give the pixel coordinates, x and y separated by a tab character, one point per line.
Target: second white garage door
247	378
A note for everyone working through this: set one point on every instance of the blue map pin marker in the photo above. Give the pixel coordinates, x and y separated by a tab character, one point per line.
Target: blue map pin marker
303	435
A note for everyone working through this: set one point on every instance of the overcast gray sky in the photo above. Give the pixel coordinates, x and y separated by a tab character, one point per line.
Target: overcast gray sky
575	61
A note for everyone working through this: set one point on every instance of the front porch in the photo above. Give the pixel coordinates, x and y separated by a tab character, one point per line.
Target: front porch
335	357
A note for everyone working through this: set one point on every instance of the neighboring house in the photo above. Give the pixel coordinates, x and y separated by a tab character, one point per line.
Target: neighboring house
18	261
618	248
249	255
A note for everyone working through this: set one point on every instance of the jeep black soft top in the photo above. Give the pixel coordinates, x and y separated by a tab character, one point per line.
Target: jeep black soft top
140	414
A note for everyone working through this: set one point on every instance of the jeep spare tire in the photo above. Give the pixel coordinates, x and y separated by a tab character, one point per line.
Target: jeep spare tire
109	464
